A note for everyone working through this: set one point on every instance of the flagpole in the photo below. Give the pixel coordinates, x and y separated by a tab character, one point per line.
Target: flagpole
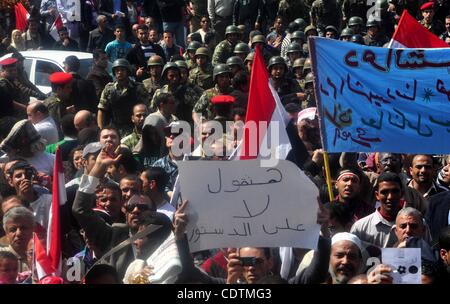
328	175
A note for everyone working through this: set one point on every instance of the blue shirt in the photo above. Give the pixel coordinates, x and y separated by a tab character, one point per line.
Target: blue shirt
116	49
117	5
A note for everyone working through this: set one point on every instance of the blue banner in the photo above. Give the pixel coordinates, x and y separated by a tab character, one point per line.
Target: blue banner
378	99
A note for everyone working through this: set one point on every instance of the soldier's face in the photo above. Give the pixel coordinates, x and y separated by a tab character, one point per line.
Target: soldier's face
428	15
155	71
121	73
373	30
173	77
10	72
200	60
233	38
293	56
330	34
223	80
277	71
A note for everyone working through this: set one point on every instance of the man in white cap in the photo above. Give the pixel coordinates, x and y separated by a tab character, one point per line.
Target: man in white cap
346	257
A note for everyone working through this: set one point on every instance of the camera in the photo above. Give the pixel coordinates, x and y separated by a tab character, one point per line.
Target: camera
248	261
30	173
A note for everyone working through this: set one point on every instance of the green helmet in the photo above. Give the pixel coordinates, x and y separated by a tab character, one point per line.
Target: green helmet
276	60
299	63
202	51
168	66
221	69
241	28
241	48
182	64
347	32
258	38
309	78
331	28
355	20
307	66
235	60
301	23
298	35
194	45
121	62
309	28
371	23
249	57
294	47
232	29
155	60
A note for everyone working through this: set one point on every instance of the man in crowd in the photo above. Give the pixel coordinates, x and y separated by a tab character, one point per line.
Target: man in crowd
39	116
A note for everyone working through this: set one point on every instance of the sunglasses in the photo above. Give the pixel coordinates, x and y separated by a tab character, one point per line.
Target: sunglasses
140	207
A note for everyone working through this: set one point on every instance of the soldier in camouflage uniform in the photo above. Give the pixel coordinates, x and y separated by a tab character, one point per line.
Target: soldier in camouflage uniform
288	89
236	65
154	66
189	55
184	77
225	49
118	99
357	25
241	50
202	74
374	37
294	51
59	102
310	99
267	50
248	62
428	21
185	97
325	12
222	78
289	10
297	70
346	34
354	8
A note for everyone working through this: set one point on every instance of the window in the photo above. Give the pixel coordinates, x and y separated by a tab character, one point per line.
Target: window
27	66
43	70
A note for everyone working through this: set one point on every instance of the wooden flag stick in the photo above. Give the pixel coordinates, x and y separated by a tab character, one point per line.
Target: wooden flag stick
328	175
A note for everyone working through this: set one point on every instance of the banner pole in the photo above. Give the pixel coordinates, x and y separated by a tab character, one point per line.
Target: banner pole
328	175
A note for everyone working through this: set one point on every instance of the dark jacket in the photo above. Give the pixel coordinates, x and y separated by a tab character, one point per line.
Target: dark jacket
99	40
106	237
437	213
137	58
84	95
100	78
72	46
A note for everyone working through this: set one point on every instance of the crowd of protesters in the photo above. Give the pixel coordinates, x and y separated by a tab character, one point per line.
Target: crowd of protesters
159	63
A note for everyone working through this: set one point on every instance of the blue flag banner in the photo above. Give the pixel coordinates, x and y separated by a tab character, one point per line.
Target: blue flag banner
377	99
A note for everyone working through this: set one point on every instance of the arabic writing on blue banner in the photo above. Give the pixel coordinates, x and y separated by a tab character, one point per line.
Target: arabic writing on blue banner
379	99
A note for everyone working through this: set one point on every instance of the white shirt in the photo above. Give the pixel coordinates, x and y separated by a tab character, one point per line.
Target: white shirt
41	209
222	8
48	130
42	161
167	209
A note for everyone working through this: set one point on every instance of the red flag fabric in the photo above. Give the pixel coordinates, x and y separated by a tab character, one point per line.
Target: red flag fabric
411	34
265	109
58	24
48	259
21	16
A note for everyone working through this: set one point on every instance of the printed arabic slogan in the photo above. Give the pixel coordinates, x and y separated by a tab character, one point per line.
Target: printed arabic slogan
240	203
379	99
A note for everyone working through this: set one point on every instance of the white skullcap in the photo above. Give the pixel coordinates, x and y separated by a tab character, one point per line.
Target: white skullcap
308	113
345	236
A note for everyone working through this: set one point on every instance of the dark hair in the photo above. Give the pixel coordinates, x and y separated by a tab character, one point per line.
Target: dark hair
132	177
389	177
88	135
41	107
168	32
142	27
238	111
7	255
67	125
97	52
109	184
72	168
119	26
433	161
241	78
444	238
6	124
151	144
128	162
63	29
196	37
209	37
162	98
159	175
110	127
100	270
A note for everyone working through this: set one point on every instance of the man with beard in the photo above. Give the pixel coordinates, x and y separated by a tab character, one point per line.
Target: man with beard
140	111
423	174
444	253
346	257
287	88
377	229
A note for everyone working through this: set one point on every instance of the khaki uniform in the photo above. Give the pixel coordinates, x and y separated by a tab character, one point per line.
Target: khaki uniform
151	86
202	78
204	104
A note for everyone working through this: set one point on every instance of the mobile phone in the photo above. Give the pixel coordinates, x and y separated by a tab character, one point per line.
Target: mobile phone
248	261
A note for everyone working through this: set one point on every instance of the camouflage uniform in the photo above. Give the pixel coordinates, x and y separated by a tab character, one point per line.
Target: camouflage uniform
222	52
151	86
435	27
56	107
290	10
185	99
119	103
378	40
352	8
204	104
131	140
325	12
203	79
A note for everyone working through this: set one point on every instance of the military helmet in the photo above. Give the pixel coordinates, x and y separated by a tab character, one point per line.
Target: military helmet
155	60
301	23
309	28
347	32
202	51
309	78
355	20
235	60
357	39
194	45
182	64
293	48
220	69
168	66
241	28
307	65
331	28
258	38
249	57
298	35
372	22
241	48
232	29
299	63
121	62
276	60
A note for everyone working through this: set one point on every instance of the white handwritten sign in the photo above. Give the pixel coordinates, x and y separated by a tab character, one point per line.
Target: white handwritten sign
406	264
240	203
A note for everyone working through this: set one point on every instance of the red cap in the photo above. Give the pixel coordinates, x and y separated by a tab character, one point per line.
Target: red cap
8	61
427	6
60	78
51	280
223	99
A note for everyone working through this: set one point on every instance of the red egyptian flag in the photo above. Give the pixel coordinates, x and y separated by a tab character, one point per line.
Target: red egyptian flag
411	34
58	24
22	16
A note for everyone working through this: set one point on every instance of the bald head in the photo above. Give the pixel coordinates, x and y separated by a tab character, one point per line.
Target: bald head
36	111
84	119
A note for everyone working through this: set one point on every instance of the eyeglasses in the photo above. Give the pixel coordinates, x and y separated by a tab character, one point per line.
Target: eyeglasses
140	207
